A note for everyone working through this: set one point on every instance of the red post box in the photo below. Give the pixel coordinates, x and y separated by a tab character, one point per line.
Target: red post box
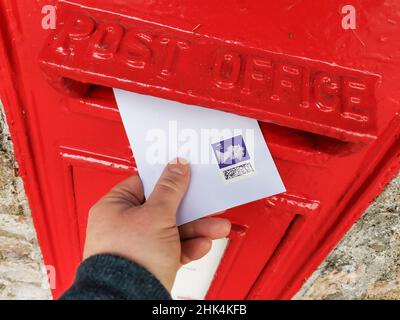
326	96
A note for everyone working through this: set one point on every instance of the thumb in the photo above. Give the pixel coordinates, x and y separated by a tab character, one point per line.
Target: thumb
171	187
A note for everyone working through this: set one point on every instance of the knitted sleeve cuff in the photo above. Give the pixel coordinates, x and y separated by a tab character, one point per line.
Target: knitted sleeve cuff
113	277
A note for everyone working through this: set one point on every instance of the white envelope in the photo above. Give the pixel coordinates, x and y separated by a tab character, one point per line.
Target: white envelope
230	161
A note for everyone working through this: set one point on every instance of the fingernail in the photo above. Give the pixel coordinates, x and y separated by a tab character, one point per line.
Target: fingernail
179	166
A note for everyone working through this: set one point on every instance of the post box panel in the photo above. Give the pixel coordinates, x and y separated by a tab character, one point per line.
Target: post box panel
101	47
326	99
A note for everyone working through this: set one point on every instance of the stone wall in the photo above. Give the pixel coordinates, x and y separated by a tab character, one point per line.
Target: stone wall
366	263
22	274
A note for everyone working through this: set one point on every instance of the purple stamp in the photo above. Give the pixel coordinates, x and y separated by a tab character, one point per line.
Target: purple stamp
230	151
233	157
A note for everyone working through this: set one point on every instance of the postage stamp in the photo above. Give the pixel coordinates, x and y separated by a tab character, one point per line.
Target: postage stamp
233	158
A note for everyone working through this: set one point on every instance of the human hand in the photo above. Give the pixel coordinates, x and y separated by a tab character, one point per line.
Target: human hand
124	224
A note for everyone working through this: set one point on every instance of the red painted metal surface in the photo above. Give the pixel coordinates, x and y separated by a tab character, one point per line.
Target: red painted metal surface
327	100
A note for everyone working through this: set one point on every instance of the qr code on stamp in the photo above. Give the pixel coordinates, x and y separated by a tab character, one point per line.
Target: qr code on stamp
233	158
241	170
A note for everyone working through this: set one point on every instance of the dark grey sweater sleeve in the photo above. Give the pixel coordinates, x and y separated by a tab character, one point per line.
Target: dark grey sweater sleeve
109	277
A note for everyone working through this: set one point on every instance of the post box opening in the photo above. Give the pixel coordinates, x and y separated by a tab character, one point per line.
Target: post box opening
279	136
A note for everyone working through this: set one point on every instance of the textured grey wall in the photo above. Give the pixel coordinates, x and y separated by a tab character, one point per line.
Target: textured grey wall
365	265
22	274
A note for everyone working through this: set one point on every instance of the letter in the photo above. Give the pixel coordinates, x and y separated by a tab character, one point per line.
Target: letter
216	310
243	309
75	28
226	70
349	20
49	278
156	152
155	310
172	139
135	49
288	79
165	310
173	47
174	310
49	20
258	70
107	40
190	147
327	92
207	309
355	100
